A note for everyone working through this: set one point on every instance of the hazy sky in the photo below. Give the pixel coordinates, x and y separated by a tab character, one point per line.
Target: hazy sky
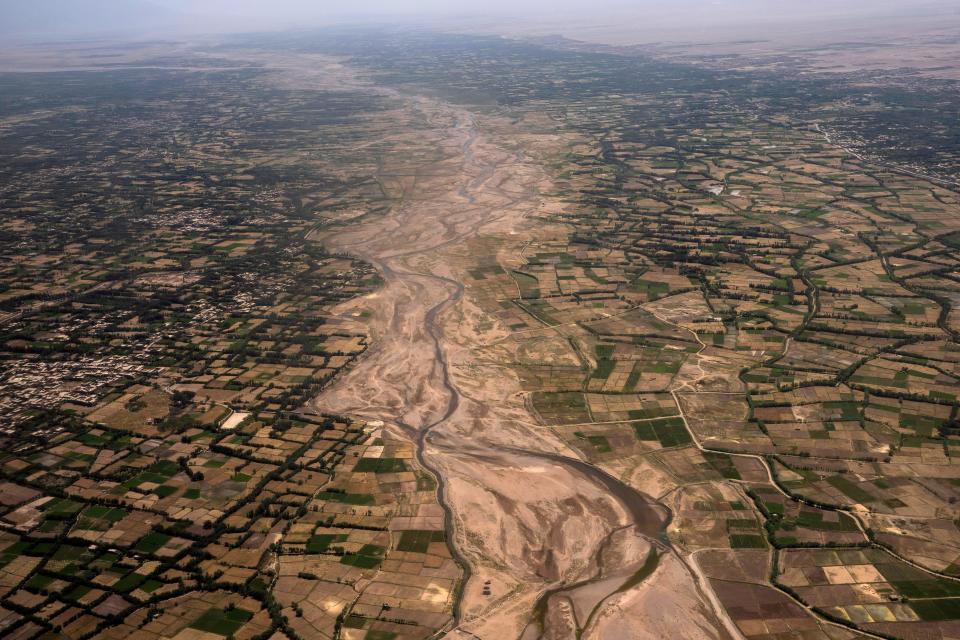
32	19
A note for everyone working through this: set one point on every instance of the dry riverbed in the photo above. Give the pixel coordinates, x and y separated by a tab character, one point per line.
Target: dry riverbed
552	546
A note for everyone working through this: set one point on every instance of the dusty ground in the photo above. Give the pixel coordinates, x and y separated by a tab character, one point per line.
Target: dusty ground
552	538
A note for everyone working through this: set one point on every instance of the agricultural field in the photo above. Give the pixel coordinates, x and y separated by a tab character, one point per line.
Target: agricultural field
167	319
680	301
744	319
871	590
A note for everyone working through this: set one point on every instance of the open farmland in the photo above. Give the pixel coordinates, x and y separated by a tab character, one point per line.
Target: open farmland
167	318
727	311
410	335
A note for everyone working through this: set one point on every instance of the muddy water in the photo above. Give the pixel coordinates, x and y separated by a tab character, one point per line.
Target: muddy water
650	519
649	516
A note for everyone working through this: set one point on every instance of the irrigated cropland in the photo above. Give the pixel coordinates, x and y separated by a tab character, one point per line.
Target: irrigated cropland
399	335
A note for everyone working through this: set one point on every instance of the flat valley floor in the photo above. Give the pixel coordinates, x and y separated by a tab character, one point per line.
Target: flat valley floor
427	335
